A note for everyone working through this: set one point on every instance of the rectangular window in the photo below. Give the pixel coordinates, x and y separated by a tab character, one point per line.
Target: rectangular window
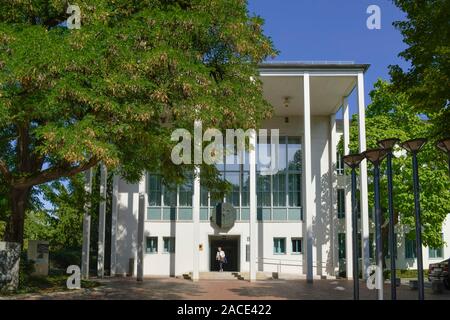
339	164
152	245
296	245
234	179
341	243
245	182
279	245
341	203
410	249
154	190
434	253
186	191
294	190
294	154
263	190
169	244
170	195
279	190
203	196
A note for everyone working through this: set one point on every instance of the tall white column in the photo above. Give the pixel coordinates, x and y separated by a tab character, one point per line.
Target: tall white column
86	226
333	190
363	175
115	213
348	199
307	176
141	215
196	225
101	222
253	219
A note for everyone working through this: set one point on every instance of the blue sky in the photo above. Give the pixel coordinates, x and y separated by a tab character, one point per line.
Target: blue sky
334	30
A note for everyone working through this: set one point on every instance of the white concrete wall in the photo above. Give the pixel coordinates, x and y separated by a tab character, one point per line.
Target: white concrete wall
181	261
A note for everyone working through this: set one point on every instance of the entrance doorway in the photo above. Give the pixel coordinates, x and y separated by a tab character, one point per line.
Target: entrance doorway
229	244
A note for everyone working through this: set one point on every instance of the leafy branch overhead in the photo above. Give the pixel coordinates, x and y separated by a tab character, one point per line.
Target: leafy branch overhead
113	90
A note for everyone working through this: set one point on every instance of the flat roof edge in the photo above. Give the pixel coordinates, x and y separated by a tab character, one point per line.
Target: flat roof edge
313	66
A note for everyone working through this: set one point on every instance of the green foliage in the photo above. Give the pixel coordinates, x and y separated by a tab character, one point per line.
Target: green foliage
427	34
390	115
114	90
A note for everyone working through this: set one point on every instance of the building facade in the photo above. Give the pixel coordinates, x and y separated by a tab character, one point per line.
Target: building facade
295	221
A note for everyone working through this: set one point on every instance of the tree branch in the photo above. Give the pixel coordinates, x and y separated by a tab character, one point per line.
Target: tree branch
53	174
5	171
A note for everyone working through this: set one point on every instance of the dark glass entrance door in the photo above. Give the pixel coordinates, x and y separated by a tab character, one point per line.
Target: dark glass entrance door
231	248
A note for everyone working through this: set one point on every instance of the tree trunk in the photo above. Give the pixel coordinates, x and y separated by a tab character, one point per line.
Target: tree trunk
19	202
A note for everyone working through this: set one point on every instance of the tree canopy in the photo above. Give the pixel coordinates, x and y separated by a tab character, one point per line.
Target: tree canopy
426	31
113	90
390	115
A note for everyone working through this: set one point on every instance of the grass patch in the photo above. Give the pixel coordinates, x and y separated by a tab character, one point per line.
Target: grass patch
51	283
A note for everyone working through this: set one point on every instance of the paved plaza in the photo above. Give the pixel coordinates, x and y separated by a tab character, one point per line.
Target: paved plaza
181	289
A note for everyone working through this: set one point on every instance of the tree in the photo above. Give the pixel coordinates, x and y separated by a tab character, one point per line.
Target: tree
113	90
391	115
427	81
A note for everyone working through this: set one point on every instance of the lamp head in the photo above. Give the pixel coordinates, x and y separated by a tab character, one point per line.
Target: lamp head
353	160
444	145
414	145
388	143
375	155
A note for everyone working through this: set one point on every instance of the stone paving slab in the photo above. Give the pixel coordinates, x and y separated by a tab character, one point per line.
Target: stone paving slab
180	289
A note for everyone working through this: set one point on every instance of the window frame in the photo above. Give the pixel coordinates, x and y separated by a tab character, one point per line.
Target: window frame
147	247
283	240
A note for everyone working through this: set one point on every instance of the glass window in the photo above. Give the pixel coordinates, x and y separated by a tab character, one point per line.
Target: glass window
410	249
203	196
233	196
245	197
279	190
341	243
152	245
339	164
341	203
395	248
434	253
263	191
295	190
371	245
296	245
279	245
294	154
154	190
185	193
170	195
169	244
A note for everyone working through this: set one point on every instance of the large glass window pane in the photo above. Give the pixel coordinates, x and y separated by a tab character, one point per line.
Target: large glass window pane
341	242
263	154
294	190
170	195
186	190
294	156
410	249
169	244
263	190
154	190
279	190
341	203
245	198
203	196
281	159
233	196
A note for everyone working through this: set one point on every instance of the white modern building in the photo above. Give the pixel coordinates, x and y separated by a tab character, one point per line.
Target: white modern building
296	221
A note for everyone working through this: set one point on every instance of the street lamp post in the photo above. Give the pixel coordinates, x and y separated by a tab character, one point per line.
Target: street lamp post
414	146
375	156
388	145
353	161
444	145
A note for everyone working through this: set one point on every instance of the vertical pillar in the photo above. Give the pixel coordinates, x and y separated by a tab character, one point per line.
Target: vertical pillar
333	190
348	199
140	238
363	176
101	222
86	226
307	176
253	220
115	213
196	225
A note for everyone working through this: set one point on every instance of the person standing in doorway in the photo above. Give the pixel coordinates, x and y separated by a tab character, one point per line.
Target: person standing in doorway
221	258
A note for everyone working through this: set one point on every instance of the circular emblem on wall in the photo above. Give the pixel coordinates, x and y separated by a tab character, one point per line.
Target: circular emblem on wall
224	215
